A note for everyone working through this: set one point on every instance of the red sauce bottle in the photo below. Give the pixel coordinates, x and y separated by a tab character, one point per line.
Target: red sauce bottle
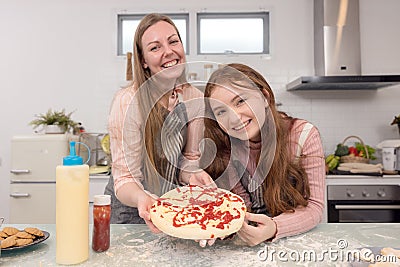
101	223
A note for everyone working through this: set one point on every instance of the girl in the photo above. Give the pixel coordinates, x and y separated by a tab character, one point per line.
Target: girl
147	123
277	158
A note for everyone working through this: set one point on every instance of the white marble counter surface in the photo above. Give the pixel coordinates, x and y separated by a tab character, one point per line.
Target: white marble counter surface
135	245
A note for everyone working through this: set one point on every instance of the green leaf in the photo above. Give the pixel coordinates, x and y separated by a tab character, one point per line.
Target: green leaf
54	118
371	150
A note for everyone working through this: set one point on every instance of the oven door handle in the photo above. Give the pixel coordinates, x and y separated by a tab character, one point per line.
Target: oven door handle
367	207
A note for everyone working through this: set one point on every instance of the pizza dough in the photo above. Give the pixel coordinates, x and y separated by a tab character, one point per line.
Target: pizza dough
194	212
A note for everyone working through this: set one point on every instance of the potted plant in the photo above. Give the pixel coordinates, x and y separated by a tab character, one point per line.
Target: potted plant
54	121
396	121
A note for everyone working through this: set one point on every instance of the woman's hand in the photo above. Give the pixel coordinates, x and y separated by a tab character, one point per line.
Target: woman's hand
254	235
201	178
203	243
145	201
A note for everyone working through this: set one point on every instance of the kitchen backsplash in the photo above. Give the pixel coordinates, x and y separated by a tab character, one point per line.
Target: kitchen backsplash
338	114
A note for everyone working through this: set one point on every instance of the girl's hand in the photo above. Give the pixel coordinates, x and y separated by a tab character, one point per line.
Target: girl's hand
203	243
254	235
145	201
203	179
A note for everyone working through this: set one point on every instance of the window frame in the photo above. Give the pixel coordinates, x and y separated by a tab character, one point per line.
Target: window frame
264	15
123	17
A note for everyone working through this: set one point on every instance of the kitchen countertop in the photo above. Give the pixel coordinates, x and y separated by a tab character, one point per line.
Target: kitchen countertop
135	245
362	179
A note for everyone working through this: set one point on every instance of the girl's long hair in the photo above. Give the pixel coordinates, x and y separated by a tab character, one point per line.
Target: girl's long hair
286	183
153	113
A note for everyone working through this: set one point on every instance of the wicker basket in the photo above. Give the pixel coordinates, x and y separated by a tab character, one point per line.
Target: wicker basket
352	159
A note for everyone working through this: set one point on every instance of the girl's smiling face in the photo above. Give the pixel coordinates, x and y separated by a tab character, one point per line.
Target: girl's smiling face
163	50
240	112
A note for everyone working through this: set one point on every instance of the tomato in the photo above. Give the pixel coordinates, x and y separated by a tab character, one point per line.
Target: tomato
353	150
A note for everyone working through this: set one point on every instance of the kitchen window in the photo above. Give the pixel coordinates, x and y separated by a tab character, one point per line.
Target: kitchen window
233	33
128	23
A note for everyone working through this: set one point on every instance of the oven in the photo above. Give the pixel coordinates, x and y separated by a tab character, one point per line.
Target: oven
363	203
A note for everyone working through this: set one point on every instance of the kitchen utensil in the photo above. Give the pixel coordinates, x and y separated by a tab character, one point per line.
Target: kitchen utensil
105	144
98	169
103	161
129	72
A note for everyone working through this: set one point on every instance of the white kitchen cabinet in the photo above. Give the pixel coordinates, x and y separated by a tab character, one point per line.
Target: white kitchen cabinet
33	203
34	157
33	178
36	202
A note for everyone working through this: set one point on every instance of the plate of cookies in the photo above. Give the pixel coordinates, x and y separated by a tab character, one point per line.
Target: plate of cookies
12	238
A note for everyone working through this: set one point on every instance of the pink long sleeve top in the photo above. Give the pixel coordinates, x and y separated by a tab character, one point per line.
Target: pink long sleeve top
303	218
126	140
306	218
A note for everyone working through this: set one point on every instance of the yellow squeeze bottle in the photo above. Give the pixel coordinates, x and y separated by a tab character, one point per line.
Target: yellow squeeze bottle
72	210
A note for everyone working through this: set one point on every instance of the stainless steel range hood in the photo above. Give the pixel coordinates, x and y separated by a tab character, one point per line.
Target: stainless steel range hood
337	55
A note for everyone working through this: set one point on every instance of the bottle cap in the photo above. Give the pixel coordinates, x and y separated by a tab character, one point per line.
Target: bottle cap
102	200
72	158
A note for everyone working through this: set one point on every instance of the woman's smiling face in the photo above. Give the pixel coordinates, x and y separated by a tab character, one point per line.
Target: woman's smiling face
240	112
163	50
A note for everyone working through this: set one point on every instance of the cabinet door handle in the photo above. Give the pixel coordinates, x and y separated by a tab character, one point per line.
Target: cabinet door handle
18	195
20	171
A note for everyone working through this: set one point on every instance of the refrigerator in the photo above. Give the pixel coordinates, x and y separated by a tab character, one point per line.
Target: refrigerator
33	176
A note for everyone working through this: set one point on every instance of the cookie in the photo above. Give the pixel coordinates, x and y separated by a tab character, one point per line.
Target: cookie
24	235
24	241
34	231
10	230
2	234
9	242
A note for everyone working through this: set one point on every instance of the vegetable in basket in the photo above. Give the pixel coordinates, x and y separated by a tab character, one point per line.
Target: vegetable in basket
362	153
332	161
341	150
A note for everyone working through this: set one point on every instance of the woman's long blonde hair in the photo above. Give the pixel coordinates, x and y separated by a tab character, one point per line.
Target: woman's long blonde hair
153	113
286	184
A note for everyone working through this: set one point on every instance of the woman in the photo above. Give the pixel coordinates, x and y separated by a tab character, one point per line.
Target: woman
278	159
147	123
